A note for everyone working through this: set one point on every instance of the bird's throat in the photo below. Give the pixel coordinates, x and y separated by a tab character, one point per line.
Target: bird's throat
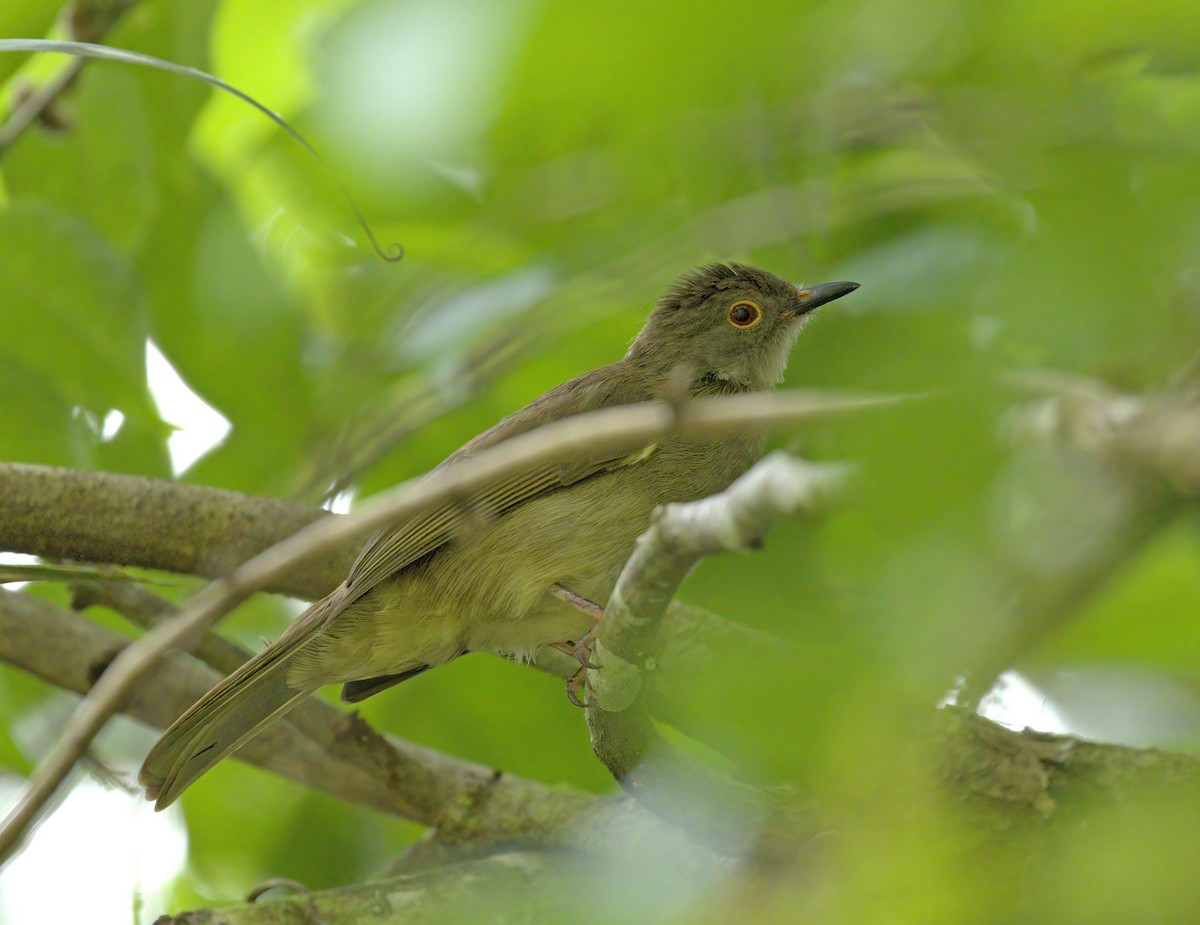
714	383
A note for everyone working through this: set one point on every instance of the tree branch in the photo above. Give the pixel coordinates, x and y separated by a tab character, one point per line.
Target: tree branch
1159	434
147	610
152	523
1136	453
129	520
320	747
723	811
620	429
71	652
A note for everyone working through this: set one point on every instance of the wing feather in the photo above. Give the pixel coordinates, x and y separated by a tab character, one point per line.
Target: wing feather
395	548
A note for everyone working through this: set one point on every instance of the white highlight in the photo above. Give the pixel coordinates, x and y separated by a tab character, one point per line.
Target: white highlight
97	858
1016	703
199	427
111	425
16	558
342	501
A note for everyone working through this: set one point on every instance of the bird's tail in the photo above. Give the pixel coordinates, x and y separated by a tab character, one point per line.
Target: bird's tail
233	711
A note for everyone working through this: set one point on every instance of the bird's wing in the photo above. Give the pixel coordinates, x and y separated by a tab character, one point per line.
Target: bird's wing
395	548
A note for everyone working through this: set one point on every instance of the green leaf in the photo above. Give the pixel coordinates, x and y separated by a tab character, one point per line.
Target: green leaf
36	421
232	334
71	312
102	170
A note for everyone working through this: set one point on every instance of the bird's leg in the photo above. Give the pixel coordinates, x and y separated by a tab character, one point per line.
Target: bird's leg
581	649
575	682
591	608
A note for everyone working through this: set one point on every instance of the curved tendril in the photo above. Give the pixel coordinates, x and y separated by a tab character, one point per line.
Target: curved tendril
393	252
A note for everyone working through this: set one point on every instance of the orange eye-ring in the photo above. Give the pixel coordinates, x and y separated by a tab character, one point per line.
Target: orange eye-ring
744	314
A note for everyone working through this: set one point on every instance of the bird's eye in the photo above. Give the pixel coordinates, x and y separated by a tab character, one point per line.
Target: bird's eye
744	314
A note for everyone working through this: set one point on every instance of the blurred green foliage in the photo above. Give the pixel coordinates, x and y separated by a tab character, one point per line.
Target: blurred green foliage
1014	184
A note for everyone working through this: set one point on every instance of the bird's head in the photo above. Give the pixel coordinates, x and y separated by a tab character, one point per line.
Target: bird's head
731	323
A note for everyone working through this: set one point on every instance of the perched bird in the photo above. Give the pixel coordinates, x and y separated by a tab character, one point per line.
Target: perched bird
528	562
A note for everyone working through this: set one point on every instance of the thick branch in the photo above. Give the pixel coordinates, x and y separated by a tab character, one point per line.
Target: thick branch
150	523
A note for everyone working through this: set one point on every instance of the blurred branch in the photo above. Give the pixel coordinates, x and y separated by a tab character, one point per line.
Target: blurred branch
720	809
81	21
1160	433
320	747
71	652
619	429
1147	448
128	520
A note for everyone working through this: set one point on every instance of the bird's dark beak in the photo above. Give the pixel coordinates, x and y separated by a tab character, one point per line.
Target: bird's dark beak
810	297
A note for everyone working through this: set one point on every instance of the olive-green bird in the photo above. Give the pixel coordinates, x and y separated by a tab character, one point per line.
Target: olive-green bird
512	569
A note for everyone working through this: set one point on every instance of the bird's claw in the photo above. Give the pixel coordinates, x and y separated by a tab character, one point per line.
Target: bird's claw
582	648
583	652
574	685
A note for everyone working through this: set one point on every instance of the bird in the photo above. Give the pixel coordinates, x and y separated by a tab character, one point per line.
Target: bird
528	562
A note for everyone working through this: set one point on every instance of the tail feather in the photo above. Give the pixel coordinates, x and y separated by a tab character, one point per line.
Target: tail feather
231	713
